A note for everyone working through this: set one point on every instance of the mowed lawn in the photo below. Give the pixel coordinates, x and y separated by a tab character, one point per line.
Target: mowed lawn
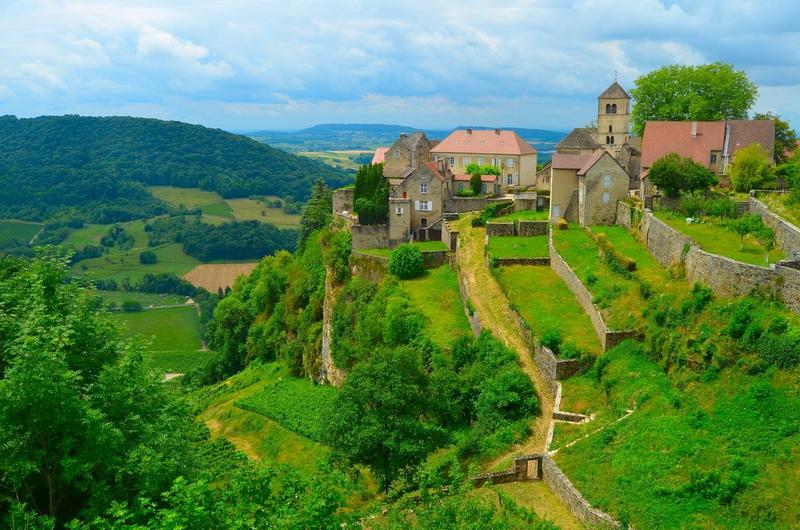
436	294
174	328
714	237
518	247
171	259
546	303
19	230
524	215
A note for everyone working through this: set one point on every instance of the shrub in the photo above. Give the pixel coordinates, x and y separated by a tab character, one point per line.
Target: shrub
751	169
674	174
406	262
131	306
645	289
551	339
569	350
466	192
721	207
148	258
562	224
591	279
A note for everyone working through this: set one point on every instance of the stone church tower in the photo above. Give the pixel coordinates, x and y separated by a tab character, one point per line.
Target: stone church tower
613	119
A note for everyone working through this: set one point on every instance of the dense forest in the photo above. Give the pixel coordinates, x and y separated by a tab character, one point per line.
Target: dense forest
100	166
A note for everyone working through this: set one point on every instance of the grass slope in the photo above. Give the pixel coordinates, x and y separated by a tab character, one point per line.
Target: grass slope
178	362
19	230
518	247
171	258
146	299
187	197
546	303
436	294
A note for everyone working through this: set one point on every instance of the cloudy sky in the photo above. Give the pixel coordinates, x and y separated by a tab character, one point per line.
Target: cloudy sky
266	64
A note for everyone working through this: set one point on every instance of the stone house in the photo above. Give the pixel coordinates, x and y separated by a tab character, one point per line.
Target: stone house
417	200
409	151
712	144
586	187
506	150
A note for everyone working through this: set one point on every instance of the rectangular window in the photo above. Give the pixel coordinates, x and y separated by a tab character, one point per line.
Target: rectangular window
397	153
480	161
606	197
509	162
607	181
451	161
466	161
713	158
398	210
496	162
425	206
510	179
423	187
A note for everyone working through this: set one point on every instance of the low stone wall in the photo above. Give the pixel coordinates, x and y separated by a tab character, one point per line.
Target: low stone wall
545	260
608	338
791	287
532	228
434	258
519	472
367	266
343	199
500	229
472	316
563	488
449	235
468	204
370	236
787	235
570	417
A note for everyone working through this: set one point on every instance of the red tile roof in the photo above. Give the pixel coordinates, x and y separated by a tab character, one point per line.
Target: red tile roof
484	142
570	160
380	155
664	137
434	166
748	132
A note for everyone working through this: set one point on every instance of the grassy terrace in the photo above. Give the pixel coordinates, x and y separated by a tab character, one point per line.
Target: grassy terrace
546	303
777	203
714	237
424	246
616	296
436	294
171	329
518	247
20	230
523	215
146	299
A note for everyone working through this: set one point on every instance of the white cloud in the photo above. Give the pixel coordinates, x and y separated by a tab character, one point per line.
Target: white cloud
154	41
42	78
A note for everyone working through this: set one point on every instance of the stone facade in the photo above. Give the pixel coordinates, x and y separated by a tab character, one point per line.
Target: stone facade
499	229
449	235
343	199
599	189
532	228
424	189
563	488
468	204
787	235
408	151
370	236
608	338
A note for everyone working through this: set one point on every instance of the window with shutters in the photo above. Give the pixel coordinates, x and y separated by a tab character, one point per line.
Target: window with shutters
398	210
480	161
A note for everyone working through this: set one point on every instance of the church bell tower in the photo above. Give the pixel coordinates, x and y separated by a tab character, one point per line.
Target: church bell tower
613	118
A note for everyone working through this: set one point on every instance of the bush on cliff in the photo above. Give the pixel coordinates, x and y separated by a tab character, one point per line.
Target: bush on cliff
405	262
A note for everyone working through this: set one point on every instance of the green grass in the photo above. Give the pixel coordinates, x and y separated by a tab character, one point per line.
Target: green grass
91	235
616	296
776	202
187	197
178	362
256	210
717	453
146	299
424	246
19	230
436	294
714	237
524	215
218	209
546	303
296	404
176	328
171	259
518	247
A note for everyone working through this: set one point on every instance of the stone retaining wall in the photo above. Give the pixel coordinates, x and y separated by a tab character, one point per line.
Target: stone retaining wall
532	228
434	258
343	199
367	266
563	488
570	417
787	235
449	235
608	338
500	229
545	260
468	204
370	236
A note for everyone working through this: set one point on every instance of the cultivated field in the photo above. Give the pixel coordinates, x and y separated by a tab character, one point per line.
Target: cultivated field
146	299
188	197
19	230
214	276
91	235
252	210
171	258
171	329
343	159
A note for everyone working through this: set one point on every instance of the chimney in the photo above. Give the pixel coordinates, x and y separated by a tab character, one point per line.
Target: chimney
497	132
694	128
403	136
469	131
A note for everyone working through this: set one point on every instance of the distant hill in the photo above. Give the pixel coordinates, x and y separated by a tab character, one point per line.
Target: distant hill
360	136
102	165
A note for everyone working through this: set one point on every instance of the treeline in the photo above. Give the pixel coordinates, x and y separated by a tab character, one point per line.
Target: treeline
233	240
100	166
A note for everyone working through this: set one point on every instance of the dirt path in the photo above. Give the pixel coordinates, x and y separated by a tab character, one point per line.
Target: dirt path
496	316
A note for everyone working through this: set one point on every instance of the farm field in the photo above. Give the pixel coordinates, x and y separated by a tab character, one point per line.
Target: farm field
713	236
547	304
178	362
278	401
146	299
91	235
218	209
518	247
251	210
19	230
436	294
214	276
187	197
343	159
174	328
171	258
524	215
